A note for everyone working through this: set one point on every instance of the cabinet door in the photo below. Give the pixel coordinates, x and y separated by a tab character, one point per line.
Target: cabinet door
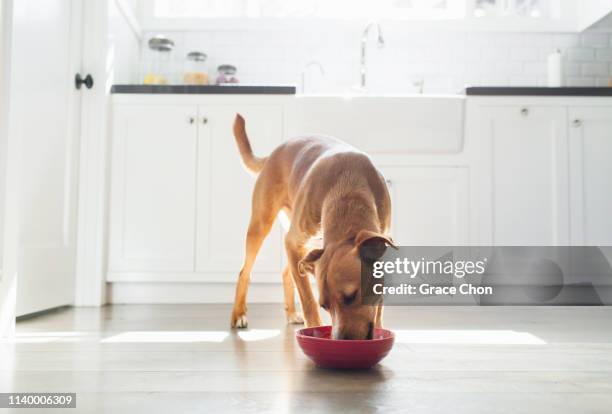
152	224
430	205
590	175
523	164
225	189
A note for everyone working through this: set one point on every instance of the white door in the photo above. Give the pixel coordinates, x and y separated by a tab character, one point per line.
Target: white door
9	203
153	188
4	105
45	111
590	175
225	188
430	205
523	175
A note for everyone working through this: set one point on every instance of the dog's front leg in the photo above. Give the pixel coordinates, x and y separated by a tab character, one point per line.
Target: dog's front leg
292	314
310	307
378	323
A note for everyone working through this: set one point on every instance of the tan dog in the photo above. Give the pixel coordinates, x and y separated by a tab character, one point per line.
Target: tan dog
326	187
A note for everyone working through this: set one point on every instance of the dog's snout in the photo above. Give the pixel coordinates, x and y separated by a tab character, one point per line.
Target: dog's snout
346	334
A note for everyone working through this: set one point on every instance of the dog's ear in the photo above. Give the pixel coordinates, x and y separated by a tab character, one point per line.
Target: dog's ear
306	265
372	245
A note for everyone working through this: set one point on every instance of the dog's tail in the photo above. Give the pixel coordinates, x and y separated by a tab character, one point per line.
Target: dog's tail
251	162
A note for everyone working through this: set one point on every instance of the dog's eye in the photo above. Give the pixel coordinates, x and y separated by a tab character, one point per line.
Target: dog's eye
350	298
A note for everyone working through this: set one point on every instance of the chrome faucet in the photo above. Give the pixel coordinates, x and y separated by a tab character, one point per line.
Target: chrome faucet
312	63
364	44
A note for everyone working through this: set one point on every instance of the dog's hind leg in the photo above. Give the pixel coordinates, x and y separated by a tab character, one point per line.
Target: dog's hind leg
293	316
262	219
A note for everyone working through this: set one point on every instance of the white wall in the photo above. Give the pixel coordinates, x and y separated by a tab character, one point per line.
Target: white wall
9	200
592	11
123	41
446	60
3	117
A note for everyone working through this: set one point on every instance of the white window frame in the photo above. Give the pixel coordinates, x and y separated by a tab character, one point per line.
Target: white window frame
567	22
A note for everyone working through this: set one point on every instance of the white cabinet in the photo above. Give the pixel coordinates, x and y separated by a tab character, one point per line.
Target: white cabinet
530	171
430	205
523	174
225	188
590	165
180	197
153	209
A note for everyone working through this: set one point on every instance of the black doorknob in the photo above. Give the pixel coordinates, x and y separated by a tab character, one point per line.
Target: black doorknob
80	81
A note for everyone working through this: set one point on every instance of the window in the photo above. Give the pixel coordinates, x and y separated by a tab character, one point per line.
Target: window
495	15
331	9
517	8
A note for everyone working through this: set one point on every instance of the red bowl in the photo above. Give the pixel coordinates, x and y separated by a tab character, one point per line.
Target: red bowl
342	353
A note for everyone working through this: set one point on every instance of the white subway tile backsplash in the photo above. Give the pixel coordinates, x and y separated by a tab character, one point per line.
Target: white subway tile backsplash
473	54
523	81
604	55
445	60
580	81
534	68
571	69
581	55
496	54
594	69
563	41
509	68
523	53
494	80
594	39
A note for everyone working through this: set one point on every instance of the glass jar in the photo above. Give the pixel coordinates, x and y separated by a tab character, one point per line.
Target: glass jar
159	70
196	69
226	74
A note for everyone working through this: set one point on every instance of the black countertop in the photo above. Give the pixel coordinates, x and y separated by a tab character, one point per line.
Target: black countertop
538	91
205	89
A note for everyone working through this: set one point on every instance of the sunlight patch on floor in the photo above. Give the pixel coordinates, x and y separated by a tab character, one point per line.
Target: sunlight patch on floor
166	337
258	334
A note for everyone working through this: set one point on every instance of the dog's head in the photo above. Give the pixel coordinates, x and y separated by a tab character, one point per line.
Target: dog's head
337	269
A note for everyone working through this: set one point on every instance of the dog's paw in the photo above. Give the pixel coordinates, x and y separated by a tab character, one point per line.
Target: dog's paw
295	319
240	322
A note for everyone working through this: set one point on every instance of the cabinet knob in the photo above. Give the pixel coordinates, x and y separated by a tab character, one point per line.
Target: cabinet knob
525	111
577	123
79	81
191	119
205	120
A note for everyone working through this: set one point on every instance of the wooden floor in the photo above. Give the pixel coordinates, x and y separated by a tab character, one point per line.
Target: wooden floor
183	358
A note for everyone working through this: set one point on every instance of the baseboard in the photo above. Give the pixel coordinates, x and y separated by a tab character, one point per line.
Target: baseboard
135	292
190	277
21	318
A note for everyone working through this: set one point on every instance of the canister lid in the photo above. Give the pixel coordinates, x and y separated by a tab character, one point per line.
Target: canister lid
197	56
227	69
161	43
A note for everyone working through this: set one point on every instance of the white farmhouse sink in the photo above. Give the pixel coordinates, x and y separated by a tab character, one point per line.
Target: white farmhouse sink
382	124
